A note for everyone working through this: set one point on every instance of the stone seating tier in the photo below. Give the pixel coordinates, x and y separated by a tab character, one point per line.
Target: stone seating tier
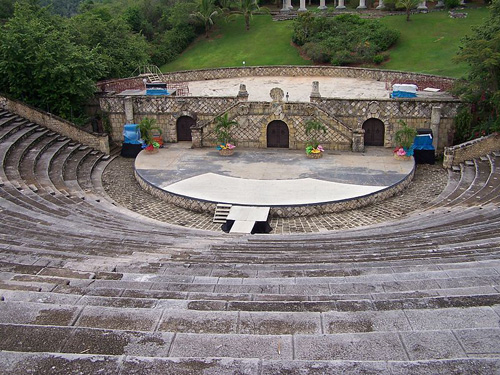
86	286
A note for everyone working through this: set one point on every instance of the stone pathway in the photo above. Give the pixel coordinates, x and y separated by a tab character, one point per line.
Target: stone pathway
120	184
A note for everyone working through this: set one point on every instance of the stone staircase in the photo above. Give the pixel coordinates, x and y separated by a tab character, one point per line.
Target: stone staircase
90	287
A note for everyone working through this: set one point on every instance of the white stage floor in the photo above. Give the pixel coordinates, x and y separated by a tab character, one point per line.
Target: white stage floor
270	177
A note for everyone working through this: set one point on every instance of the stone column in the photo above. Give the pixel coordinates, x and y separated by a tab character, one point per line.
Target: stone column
322	5
358	140
422	5
362	4
129	110
435	120
290	6
381	5
302	7
462	2
440	4
243	93
341	5
196	138
315	90
285	6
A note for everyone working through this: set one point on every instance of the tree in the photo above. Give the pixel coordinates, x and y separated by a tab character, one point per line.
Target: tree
481	51
248	8
408	5
120	49
223	129
41	66
206	13
313	130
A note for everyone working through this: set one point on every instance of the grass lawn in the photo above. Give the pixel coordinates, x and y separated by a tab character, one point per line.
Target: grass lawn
429	41
266	43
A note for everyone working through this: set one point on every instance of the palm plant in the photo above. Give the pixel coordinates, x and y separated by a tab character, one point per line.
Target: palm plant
313	129
207	11
405	136
223	129
408	5
147	126
248	8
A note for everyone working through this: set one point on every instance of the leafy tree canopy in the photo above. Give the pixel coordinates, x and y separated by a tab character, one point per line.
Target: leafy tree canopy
42	66
481	50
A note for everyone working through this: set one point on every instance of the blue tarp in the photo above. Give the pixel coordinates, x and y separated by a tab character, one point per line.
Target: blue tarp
403	94
157	92
423	142
131	134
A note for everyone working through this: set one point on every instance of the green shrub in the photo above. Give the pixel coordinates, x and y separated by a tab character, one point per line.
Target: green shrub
451	3
342	40
378	59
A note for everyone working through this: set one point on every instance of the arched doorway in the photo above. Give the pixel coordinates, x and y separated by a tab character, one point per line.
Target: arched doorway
277	134
374	132
184	124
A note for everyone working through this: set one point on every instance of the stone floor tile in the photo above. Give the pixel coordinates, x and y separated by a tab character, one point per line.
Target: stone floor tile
365	321
452	318
279	323
354	347
191	321
235	346
480	341
114	318
431	345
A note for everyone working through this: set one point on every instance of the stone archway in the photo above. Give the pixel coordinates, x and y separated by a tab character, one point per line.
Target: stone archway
374	132
278	135
183	127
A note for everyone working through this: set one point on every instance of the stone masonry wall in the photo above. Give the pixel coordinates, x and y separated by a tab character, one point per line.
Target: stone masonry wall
471	149
305	71
415	112
97	141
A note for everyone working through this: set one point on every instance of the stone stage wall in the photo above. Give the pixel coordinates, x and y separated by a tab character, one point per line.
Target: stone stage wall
343	117
198	205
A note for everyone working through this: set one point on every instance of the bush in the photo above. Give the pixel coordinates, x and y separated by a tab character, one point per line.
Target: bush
345	39
378	59
451	3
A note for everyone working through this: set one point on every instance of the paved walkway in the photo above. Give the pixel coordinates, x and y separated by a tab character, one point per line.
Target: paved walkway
270	177
429	181
298	88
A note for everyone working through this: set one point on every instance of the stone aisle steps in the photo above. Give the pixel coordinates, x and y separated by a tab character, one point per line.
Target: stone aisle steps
85	284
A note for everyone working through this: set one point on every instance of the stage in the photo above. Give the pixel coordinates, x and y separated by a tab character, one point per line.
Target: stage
272	177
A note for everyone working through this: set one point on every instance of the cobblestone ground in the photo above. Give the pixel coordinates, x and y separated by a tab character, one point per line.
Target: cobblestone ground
120	184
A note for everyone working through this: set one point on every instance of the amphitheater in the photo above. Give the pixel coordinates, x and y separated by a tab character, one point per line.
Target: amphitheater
97	277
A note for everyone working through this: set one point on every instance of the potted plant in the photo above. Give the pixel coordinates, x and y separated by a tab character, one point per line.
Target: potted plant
148	132
313	148
223	133
404	138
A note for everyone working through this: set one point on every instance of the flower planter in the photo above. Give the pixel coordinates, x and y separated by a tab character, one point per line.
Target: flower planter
402	157
153	151
226	151
315	155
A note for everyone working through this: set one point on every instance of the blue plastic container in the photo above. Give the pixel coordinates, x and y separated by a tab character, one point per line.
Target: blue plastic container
131	134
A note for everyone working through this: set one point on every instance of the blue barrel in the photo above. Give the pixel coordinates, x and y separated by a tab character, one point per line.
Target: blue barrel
131	134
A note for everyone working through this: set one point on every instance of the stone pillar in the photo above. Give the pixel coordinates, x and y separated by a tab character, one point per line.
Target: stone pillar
341	5
196	138
129	110
322	5
315	90
462	2
243	93
435	120
358	140
381	5
290	6
422	5
285	6
302	7
440	4
362	4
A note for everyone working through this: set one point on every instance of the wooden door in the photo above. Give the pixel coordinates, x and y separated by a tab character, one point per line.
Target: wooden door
277	134
184	124
374	132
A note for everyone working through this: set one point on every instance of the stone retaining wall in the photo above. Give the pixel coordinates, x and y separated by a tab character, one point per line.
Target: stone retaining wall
282	211
349	114
95	140
471	149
